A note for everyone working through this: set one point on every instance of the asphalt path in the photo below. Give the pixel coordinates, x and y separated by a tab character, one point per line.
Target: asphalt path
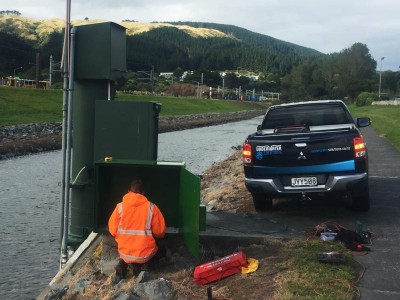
380	266
381	279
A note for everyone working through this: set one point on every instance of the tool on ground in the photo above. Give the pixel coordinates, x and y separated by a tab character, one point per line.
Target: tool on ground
220	268
331	257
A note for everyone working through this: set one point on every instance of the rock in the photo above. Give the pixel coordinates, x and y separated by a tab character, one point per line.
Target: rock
57	294
126	296
160	289
211	204
80	285
144	277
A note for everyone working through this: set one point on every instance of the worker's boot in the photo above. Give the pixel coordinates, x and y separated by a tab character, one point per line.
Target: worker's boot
121	269
136	269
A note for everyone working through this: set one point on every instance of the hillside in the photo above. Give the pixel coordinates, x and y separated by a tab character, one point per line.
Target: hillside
189	45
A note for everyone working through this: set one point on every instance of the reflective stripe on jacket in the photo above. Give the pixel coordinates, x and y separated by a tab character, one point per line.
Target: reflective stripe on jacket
133	223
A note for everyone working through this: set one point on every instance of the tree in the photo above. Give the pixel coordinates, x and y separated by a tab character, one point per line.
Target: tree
390	81
231	81
10	12
339	75
356	69
178	72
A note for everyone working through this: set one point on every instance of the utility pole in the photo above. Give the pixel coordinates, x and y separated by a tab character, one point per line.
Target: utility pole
152	79
19	68
201	85
50	70
380	79
37	69
223	88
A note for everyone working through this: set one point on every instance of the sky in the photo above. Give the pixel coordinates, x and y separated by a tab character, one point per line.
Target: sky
325	25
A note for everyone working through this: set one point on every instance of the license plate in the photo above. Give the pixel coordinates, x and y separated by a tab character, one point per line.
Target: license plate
304	181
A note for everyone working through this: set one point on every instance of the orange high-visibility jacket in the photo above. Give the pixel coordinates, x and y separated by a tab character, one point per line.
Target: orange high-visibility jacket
133	223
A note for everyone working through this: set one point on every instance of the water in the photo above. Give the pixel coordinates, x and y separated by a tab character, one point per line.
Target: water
29	224
30	202
201	147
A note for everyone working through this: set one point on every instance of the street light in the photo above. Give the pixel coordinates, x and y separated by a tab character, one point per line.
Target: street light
380	78
198	87
16	70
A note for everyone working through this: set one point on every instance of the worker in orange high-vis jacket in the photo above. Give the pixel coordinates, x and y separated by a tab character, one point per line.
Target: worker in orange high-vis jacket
135	224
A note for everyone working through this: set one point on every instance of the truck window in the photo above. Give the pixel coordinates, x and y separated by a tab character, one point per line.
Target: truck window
310	115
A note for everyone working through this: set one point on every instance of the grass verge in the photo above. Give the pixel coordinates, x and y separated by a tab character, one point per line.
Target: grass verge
307	278
385	120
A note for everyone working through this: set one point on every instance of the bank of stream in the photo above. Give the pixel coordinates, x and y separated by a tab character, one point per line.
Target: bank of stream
26	139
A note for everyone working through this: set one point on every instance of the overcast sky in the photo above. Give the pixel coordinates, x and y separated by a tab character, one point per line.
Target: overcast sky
324	25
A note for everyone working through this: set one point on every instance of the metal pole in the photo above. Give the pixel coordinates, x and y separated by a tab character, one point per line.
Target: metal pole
152	79
37	70
380	79
65	66
50	70
223	88
64	251
201	96
19	68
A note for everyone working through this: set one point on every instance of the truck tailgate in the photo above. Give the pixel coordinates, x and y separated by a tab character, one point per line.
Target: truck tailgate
317	152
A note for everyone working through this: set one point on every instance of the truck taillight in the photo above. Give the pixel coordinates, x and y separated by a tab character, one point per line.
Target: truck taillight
246	154
359	147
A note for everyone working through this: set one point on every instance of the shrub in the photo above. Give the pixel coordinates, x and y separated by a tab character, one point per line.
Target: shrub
366	98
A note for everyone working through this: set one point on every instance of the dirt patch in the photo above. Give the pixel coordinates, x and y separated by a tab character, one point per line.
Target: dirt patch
222	186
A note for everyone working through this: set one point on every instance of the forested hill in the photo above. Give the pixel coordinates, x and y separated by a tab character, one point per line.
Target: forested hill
167	46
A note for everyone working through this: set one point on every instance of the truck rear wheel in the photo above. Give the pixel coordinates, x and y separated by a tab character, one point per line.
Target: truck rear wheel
262	201
360	197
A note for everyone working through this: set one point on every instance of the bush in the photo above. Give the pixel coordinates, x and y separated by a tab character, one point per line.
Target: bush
366	98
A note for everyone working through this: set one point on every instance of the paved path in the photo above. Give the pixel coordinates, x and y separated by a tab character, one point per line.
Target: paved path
381	279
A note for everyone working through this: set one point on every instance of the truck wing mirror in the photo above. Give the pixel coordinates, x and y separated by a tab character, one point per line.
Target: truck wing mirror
363	122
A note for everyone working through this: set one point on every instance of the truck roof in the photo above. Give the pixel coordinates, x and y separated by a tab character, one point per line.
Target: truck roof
309	102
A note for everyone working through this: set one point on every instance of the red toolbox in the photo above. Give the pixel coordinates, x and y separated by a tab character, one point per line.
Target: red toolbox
220	268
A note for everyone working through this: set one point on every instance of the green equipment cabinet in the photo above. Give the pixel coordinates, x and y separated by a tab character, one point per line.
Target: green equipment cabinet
100	51
101	125
126	130
169	185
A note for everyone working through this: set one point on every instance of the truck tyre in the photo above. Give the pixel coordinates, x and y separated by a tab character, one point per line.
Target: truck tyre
261	201
360	197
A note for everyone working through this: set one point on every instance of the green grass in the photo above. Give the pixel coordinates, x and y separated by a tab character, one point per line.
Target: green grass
23	106
385	120
308	278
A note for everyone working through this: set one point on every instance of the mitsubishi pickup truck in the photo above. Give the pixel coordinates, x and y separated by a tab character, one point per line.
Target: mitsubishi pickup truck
307	149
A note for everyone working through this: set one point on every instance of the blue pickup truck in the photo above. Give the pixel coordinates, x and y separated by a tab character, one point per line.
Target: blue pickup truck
305	149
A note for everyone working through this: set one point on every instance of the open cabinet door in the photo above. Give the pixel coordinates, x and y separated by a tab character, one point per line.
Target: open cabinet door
190	209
